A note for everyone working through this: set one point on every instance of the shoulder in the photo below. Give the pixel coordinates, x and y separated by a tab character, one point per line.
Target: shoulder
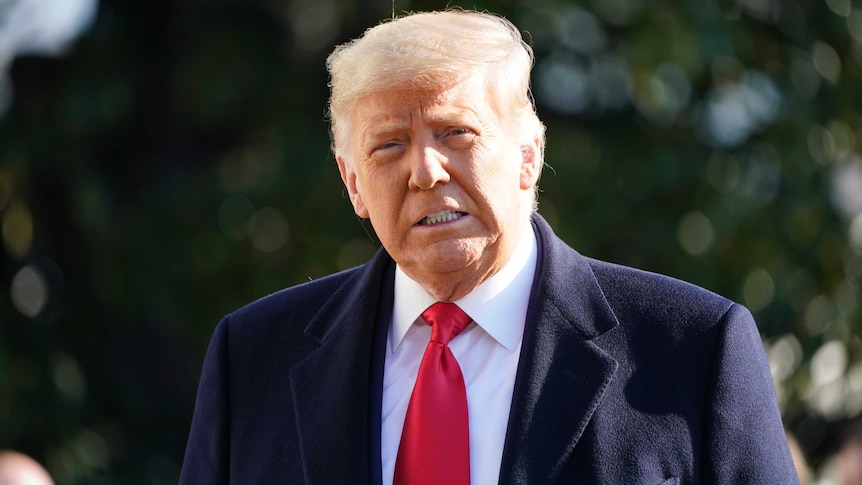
294	301
656	309
635	297
624	285
282	317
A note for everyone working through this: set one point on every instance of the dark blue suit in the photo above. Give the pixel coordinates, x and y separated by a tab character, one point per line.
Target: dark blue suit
625	377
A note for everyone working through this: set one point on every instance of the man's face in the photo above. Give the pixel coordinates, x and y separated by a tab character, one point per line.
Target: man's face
447	183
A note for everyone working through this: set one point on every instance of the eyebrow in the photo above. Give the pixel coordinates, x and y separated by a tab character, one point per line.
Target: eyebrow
385	129
450	113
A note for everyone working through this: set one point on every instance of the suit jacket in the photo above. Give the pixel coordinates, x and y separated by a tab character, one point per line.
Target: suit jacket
625	377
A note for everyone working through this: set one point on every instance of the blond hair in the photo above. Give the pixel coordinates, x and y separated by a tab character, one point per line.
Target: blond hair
428	49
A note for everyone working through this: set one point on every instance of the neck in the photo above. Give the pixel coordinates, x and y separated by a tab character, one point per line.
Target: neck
449	288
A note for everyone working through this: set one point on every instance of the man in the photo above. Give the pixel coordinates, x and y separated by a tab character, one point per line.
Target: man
549	367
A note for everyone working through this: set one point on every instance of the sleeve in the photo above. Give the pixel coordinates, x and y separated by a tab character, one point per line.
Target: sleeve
207	452
745	436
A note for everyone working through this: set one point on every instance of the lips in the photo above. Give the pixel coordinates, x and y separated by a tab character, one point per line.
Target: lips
441	217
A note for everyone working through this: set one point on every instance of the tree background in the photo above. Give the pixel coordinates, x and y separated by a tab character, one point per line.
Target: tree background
173	164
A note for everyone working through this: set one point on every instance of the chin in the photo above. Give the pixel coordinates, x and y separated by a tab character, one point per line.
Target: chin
449	258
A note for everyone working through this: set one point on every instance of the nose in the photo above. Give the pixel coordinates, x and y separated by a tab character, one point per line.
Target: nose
428	168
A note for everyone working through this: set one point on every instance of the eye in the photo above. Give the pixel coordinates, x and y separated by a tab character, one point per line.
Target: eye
389	145
459	138
460	131
386	151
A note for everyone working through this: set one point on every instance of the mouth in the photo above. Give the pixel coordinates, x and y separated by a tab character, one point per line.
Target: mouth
441	217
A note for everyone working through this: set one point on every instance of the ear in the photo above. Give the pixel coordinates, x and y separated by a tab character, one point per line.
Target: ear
348	176
531	164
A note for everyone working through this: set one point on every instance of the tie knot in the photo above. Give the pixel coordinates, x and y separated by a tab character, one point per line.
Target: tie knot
447	320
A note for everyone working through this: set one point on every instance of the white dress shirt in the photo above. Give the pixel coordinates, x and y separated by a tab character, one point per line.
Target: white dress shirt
487	351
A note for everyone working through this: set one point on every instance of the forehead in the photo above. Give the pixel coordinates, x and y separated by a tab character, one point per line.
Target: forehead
400	105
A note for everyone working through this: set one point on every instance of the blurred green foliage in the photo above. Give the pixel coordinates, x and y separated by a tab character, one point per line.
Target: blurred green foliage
175	165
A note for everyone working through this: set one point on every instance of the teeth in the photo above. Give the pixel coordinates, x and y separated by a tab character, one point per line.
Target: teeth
440	217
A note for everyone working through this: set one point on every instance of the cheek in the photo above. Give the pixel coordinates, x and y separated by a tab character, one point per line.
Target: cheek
495	193
502	185
381	197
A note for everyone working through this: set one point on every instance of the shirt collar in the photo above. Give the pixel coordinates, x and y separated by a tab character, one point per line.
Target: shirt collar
498	305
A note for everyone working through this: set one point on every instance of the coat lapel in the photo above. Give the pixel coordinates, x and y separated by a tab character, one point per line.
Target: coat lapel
331	386
562	373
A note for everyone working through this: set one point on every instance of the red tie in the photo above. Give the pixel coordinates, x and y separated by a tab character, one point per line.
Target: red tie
435	442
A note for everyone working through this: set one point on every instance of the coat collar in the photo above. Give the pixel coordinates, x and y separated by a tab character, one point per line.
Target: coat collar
336	389
562	374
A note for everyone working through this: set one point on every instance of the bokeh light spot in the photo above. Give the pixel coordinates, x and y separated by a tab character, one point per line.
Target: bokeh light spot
854	24
826	400
758	289
828	363
314	23
44	27
563	84
695	233
17	229
571	85
854	233
826	61
762	9
853	399
827	393
664	95
247	169
268	229
821	144
69	378
579	30
29	291
847	187
785	355
843	136
840	7
736	110
92	450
